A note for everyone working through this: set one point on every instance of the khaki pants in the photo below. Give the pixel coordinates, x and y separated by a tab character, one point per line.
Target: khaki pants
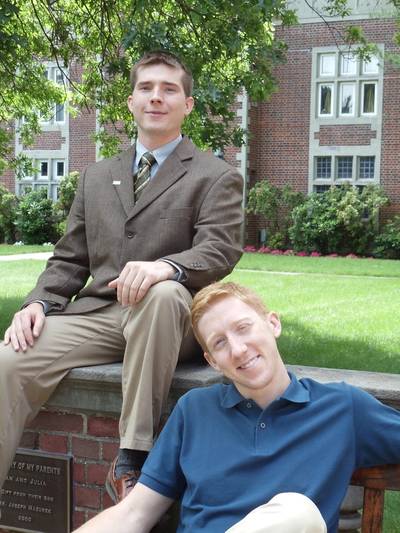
148	337
288	512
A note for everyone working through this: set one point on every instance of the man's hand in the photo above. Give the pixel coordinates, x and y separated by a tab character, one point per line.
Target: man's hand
26	325
137	277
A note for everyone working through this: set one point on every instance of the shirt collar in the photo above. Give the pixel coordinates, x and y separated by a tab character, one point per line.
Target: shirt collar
160	154
296	392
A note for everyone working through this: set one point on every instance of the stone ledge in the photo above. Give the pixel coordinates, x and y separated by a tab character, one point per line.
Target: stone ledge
98	388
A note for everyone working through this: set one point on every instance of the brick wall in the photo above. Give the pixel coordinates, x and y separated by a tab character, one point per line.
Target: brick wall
47	140
353	135
93	442
279	143
7	178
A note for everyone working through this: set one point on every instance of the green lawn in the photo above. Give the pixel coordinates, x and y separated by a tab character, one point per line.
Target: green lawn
333	321
17	279
338	313
321	265
10	249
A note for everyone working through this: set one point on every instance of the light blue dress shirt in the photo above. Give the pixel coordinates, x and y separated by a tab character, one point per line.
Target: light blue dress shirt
160	154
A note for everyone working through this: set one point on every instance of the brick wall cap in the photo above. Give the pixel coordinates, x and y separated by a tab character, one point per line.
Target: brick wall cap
98	388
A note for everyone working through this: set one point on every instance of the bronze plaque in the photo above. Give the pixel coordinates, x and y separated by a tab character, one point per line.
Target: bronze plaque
36	496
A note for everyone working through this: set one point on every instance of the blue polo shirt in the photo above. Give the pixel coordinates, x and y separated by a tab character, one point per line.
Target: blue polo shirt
223	456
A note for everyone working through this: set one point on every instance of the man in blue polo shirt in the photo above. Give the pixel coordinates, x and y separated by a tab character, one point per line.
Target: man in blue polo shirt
266	453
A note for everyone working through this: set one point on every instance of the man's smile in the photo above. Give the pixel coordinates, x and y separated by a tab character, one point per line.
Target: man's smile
250	363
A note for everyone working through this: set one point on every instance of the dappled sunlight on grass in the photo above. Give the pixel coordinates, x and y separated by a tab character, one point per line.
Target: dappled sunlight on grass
320	265
338	322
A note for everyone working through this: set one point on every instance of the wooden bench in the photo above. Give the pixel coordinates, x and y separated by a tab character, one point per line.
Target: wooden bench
375	481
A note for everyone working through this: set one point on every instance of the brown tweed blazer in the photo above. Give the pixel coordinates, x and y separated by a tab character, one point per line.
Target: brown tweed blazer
190	212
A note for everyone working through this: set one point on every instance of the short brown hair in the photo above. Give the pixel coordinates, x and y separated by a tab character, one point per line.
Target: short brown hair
205	298
166	58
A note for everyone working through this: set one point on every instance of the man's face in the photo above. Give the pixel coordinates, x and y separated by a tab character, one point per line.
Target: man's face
242	345
158	104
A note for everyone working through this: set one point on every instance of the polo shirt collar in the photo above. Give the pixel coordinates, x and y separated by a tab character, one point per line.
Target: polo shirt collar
296	392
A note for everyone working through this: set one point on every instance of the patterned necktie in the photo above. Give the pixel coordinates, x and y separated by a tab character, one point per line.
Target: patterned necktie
142	177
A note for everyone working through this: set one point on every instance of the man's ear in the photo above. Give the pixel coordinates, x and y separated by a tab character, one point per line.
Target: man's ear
211	361
275	323
130	103
189	105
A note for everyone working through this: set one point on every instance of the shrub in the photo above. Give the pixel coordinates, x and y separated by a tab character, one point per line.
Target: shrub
35	220
8	205
274	205
387	244
341	220
66	195
66	192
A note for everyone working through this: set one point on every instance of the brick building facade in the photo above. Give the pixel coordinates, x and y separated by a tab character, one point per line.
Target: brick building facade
334	118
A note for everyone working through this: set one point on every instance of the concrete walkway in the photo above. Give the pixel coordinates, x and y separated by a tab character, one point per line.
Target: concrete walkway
18	257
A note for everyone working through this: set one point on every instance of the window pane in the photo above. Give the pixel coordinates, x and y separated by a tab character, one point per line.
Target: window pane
369	98
44	169
348	65
347	91
323	167
54	193
325	99
344	167
367	168
59	78
371	66
25	189
321	188
60	169
327	65
59	112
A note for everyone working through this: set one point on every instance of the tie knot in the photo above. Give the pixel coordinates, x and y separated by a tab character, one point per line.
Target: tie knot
147	159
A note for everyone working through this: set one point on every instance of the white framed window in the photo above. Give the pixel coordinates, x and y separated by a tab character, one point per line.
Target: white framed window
331	170
366	167
56	114
348	64
371	66
347	99
321	188
369	97
323	167
325	99
60	113
327	64
46	175
346	86
344	168
43	169
58	169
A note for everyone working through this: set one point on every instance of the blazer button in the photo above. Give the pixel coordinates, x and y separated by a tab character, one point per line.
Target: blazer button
130	234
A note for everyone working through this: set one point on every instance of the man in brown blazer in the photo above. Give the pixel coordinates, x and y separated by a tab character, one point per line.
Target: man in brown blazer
146	244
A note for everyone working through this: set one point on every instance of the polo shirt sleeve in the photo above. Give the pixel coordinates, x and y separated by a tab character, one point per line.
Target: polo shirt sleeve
377	430
162	471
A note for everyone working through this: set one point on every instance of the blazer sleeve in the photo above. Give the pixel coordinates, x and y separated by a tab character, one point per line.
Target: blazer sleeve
217	233
67	271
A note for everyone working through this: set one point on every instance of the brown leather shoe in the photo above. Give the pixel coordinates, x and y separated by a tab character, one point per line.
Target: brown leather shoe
119	488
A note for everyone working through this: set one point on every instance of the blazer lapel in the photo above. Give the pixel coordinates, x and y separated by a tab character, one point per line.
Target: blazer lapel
173	168
122	178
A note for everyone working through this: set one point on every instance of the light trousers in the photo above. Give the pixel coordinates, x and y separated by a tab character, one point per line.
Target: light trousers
148	337
288	512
